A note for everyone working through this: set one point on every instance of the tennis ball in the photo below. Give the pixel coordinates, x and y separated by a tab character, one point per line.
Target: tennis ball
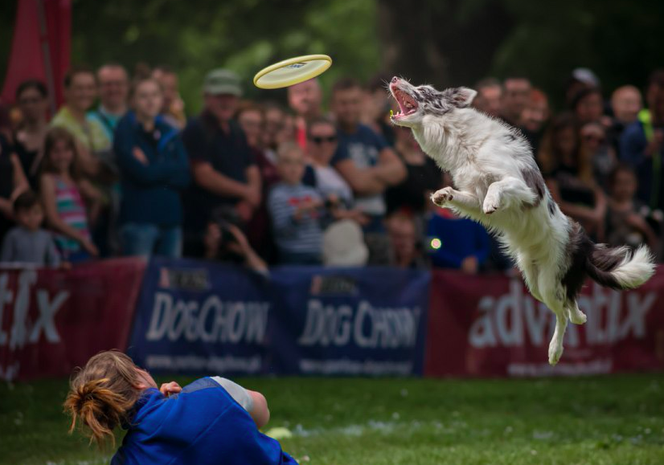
391	113
279	433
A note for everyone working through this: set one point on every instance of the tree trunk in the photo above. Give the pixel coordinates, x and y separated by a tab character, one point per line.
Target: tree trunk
431	41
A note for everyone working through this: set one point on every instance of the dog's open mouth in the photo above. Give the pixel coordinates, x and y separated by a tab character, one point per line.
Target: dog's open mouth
407	104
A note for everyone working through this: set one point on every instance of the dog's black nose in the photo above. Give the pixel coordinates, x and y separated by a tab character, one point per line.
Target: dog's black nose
395	79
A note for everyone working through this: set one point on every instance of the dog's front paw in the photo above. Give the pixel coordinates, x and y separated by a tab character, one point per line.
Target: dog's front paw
491	204
442	196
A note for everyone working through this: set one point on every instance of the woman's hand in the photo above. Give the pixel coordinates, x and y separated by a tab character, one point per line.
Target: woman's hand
245	210
89	247
252	196
140	156
241	245
470	265
212	240
170	388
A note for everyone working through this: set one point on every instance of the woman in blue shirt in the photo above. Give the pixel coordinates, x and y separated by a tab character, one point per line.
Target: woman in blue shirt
210	421
153	169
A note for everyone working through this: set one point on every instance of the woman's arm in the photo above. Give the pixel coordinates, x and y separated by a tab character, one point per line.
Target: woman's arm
599	213
390	168
253	402
20	181
260	411
639	223
255	185
6	208
88	163
19	185
575	211
241	246
181	177
94	199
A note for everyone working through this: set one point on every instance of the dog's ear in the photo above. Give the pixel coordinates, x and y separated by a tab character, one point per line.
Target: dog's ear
461	97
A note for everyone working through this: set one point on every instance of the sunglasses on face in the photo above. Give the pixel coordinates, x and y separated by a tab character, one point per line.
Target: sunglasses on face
319	140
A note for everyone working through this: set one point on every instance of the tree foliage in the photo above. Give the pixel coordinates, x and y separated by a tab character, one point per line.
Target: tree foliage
454	42
244	35
444	42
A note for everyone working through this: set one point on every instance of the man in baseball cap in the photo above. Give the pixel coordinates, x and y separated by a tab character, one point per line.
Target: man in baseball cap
222	82
222	165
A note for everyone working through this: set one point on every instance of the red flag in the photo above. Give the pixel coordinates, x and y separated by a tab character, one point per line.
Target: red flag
40	47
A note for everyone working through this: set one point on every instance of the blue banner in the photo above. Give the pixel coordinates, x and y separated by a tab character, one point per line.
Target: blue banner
367	321
206	318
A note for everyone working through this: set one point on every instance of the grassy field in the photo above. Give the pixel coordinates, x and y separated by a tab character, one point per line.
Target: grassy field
602	420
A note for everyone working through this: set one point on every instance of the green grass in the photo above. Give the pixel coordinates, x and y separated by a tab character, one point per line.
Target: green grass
600	420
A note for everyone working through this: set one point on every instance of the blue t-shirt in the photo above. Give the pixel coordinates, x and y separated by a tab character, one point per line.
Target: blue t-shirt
459	238
203	425
363	147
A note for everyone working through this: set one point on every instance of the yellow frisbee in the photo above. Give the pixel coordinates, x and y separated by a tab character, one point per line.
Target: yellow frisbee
292	71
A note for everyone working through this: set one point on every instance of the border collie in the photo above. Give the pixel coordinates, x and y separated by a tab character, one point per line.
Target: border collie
499	185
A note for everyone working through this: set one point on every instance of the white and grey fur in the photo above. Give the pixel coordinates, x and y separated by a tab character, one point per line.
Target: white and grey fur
498	184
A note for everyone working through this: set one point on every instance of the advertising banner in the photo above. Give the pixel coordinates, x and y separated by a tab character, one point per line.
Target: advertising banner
198	317
53	320
492	326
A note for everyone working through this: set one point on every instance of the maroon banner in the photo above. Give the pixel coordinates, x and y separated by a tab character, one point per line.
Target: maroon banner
54	320
491	326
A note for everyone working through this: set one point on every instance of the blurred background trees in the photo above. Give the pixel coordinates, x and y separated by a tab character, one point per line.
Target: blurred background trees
443	42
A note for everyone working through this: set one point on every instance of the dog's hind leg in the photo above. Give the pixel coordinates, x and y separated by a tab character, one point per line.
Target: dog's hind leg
556	344
576	316
506	192
530	275
553	297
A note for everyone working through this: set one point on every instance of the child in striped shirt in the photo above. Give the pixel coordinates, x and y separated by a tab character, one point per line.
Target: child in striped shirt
295	210
63	191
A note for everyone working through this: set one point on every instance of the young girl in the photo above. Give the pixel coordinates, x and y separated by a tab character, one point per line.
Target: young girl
210	421
63	191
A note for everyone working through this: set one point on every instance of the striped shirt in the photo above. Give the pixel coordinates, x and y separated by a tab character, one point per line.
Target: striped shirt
71	210
302	237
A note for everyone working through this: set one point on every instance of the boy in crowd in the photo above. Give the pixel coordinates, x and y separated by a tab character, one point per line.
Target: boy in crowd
27	242
626	217
295	211
626	103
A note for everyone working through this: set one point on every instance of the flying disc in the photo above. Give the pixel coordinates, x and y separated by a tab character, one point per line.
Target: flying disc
292	71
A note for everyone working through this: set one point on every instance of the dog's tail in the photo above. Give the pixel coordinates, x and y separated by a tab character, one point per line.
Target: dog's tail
620	267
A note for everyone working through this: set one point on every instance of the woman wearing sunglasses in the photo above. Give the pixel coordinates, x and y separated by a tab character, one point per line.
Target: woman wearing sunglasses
322	144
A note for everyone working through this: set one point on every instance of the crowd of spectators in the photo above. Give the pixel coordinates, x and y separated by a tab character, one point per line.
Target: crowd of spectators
121	170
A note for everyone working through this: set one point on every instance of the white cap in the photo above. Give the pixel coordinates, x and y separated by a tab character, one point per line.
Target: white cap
343	245
586	76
